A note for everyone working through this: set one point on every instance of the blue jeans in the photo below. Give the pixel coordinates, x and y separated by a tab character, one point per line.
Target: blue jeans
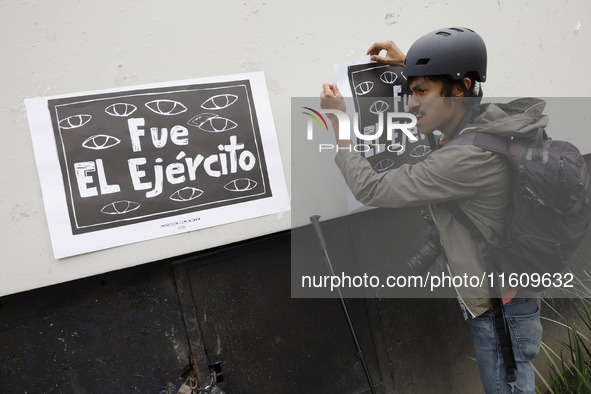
523	317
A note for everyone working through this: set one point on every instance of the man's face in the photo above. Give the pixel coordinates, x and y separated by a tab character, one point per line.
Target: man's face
433	111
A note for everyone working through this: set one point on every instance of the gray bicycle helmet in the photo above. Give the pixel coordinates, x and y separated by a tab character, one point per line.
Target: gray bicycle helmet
451	51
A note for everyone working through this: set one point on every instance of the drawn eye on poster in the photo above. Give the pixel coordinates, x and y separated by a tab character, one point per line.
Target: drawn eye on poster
378	89
156	160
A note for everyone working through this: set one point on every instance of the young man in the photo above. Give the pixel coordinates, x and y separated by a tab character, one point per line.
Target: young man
442	70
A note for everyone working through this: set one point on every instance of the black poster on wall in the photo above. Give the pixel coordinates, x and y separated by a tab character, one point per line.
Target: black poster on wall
133	156
377	90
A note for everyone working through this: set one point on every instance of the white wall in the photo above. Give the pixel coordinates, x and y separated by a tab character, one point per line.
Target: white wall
537	48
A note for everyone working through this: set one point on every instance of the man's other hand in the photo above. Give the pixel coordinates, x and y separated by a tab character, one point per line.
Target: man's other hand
394	56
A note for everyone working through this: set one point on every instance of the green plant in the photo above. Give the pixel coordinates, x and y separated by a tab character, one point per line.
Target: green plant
570	368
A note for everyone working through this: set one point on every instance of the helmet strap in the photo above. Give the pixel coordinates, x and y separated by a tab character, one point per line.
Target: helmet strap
465	89
476	107
466	92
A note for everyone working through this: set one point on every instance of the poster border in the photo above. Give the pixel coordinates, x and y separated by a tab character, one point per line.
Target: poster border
65	244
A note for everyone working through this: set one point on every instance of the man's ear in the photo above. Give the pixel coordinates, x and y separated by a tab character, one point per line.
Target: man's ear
457	89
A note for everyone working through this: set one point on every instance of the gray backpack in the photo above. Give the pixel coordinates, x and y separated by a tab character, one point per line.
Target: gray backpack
549	209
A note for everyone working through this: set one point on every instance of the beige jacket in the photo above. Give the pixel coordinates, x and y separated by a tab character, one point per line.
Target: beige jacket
476	179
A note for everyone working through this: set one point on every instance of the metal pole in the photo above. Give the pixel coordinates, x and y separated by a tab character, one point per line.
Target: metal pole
322	241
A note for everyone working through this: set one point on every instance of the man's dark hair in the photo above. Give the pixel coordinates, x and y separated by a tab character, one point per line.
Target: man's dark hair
449	83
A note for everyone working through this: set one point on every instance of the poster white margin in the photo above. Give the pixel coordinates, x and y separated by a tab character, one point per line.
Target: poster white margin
66	244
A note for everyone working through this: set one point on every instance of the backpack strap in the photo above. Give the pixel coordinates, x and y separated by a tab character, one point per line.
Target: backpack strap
500	145
486	141
501	327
